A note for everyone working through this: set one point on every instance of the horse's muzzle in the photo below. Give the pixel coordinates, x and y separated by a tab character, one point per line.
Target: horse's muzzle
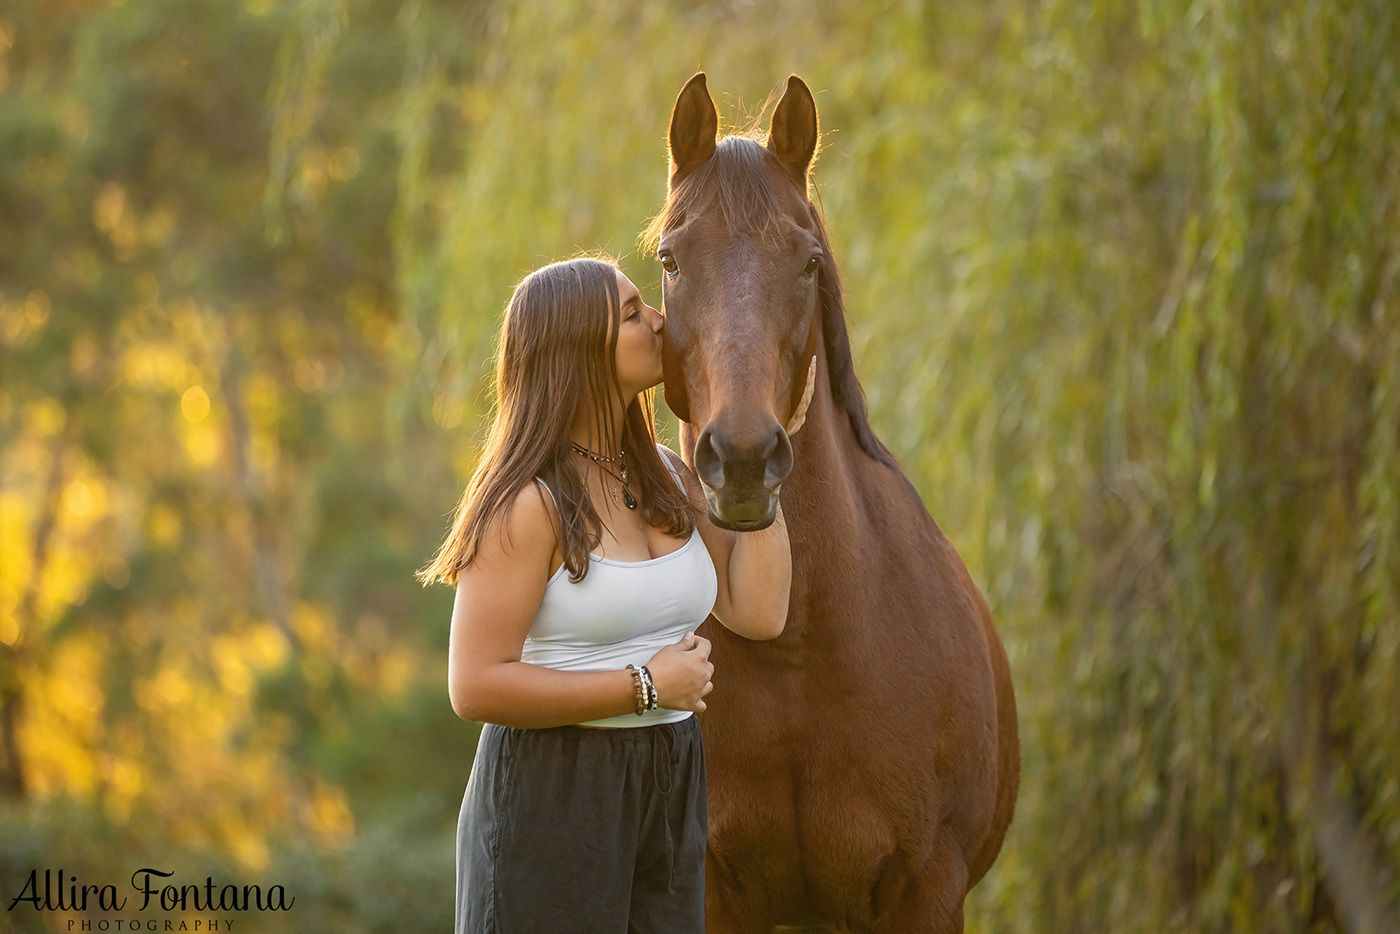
742	476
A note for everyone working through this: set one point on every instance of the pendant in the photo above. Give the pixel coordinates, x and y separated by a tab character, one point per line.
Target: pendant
628	499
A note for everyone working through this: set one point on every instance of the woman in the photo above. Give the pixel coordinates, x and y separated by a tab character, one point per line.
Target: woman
584	561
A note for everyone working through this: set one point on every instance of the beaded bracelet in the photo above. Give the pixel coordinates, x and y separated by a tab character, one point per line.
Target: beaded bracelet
651	688
640	684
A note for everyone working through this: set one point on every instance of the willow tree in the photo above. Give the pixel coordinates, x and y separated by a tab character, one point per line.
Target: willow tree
1122	291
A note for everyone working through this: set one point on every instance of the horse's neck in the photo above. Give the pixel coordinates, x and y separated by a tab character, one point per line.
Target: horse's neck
824	488
832	498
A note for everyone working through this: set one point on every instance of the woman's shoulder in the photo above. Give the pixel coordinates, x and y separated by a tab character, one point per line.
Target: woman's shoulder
671	459
537	507
526	524
681	472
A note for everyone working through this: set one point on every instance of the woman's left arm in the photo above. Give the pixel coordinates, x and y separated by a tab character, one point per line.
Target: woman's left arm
754	569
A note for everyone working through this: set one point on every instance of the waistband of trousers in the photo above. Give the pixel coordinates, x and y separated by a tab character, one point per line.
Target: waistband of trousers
619	732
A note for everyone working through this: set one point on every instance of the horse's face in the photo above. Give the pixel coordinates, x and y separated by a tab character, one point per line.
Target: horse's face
741	270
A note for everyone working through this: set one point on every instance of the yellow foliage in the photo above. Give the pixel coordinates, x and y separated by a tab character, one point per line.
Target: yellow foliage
67	576
247	846
44	417
229	655
165	524
194	404
21	321
202	443
154	364
109	209
61	731
15	557
313	627
266	647
124	783
328	813
86	498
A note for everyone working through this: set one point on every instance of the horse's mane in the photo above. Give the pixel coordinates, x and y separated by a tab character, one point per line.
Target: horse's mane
737	178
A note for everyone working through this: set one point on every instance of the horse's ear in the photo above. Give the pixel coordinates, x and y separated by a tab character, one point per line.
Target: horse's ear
694	125
792	136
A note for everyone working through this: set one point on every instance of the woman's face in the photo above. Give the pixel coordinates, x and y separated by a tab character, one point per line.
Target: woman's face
638	341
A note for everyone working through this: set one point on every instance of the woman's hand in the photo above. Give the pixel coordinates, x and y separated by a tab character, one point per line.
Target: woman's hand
681	673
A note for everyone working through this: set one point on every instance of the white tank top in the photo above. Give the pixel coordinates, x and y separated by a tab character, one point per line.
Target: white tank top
623	612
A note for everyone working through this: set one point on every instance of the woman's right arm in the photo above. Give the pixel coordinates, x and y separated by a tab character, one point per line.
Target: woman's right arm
498	596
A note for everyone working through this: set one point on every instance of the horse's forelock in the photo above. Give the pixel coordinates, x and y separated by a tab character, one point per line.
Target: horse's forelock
735	179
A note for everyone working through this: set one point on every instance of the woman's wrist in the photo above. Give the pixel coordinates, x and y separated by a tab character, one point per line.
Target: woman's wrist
639	690
760	580
643	688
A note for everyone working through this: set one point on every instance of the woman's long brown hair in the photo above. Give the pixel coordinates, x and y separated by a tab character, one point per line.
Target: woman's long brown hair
556	352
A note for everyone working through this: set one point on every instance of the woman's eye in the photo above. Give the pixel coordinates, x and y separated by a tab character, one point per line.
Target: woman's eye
668	263
810	269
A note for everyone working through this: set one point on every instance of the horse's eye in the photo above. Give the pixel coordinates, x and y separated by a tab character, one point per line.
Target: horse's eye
810	269
668	263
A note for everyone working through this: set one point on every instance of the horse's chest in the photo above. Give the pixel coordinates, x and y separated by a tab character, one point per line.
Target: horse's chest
811	832
838	767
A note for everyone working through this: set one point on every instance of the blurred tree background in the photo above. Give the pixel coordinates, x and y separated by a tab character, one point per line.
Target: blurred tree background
1122	282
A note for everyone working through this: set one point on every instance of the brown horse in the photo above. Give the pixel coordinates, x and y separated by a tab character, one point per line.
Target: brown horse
863	766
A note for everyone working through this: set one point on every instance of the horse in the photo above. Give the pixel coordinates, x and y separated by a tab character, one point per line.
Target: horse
863	766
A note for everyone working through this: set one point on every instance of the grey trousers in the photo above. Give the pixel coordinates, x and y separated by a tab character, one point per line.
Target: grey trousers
594	831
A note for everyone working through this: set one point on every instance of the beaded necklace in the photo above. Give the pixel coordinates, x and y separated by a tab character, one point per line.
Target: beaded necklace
627	498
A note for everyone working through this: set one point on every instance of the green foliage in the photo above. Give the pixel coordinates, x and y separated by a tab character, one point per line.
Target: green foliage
1122	290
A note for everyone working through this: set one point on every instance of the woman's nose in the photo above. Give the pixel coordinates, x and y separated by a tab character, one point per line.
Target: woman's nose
658	321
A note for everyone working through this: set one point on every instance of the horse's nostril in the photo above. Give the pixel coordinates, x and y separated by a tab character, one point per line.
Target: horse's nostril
762	465
708	462
777	460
